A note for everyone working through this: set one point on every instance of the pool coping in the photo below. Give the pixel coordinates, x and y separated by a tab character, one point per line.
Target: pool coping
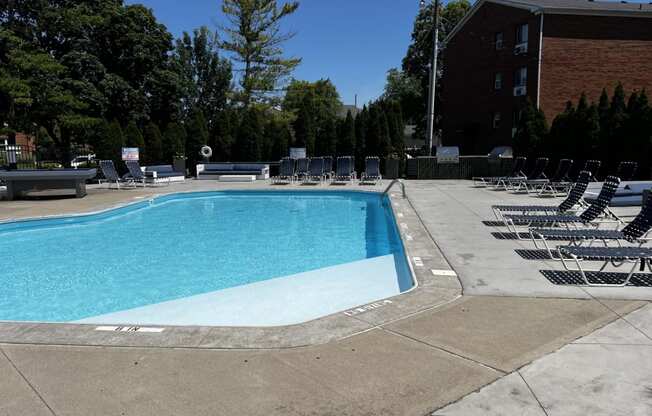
436	284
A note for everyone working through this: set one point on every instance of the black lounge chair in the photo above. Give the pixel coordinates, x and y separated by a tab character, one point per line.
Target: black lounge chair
517	171
303	166
639	257
538	185
593	166
537	172
634	232
286	173
111	175
597	208
137	174
574	198
328	167
371	174
315	171
345	170
626	170
560	182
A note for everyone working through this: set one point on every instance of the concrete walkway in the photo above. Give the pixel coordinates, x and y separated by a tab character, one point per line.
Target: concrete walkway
514	344
606	373
454	211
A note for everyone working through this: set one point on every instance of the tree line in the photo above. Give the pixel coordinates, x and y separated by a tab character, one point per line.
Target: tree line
98	75
616	128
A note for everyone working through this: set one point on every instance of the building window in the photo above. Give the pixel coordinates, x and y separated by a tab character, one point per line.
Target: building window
498	81
498	40
520	77
522	34
496	120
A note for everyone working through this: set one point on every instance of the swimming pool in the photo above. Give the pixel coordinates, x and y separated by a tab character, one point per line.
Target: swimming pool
207	258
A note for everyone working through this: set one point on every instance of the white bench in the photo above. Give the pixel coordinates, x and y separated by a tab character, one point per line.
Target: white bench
237	178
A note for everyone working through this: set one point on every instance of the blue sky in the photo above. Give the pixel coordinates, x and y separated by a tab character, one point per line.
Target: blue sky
352	42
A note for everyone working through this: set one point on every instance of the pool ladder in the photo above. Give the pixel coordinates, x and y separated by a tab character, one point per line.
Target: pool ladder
394	182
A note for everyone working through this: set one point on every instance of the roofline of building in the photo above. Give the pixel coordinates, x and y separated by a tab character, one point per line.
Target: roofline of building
550	10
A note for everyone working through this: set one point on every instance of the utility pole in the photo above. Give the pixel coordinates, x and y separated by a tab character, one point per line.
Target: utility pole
433	77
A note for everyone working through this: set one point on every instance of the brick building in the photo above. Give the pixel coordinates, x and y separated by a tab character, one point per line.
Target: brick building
548	50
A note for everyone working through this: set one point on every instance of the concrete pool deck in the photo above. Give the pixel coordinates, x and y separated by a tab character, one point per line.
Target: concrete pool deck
538	349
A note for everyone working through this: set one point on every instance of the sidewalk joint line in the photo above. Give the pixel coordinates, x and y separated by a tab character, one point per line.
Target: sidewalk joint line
31	386
532	392
436	347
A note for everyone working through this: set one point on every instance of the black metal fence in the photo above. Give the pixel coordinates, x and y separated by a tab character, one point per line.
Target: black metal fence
468	167
20	157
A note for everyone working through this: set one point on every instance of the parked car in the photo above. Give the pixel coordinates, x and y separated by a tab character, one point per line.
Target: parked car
81	160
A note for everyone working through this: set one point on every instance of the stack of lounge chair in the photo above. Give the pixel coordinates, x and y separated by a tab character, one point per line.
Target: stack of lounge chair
576	233
536	173
517	172
319	170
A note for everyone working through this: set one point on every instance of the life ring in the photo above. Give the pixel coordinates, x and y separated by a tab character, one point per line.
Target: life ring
206	152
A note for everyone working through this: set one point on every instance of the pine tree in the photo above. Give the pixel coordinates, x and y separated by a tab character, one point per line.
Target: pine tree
250	132
255	38
222	137
604	106
615	125
174	141
384	140
532	130
281	136
346	142
133	136
361	129
327	142
197	136
110	143
153	144
304	126
637	131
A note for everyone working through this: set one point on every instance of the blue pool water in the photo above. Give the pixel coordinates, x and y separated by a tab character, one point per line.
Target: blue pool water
58	270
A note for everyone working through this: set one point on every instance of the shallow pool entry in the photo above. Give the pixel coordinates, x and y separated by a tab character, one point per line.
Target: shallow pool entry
213	258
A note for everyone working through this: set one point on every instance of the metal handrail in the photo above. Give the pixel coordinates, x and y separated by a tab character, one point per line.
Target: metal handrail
394	182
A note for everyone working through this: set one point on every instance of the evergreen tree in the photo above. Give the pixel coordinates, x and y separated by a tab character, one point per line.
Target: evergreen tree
153	144
399	141
255	38
327	142
604	107
560	137
532	130
384	140
174	141
304	126
346	142
110	143
250	132
133	136
373	133
361	127
615	127
585	131
197	136
637	132
281	136
222	137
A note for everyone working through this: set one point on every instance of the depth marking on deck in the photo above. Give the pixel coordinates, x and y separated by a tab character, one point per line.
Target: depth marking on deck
367	308
444	273
408	237
417	261
404	225
130	329
399	214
